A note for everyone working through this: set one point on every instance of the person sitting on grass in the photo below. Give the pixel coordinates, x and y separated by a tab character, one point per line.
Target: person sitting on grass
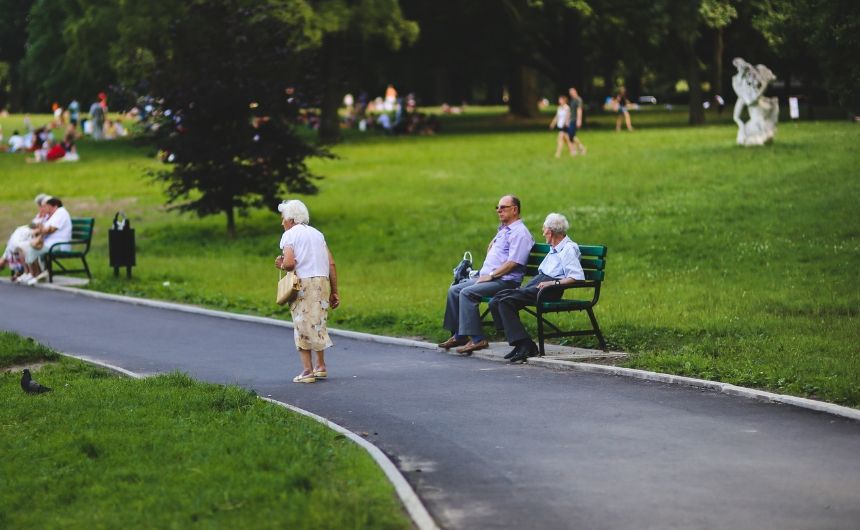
561	266
57	228
503	268
71	151
16	142
21	236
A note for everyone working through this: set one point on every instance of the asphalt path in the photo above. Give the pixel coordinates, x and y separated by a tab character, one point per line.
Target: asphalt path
488	445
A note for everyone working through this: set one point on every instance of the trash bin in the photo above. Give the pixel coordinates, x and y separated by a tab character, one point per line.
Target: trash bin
121	244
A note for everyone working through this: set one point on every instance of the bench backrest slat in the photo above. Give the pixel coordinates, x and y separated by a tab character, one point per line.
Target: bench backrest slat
82	227
592	260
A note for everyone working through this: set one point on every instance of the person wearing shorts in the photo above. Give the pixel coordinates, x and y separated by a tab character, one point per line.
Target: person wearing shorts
576	146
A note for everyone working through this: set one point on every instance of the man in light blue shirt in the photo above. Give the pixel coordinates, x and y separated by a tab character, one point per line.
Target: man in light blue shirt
560	267
504	268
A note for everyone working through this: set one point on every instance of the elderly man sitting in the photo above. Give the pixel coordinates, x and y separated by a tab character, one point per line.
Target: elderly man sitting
560	267
503	268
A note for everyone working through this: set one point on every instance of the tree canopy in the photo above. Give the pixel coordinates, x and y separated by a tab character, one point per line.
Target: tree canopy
478	51
226	128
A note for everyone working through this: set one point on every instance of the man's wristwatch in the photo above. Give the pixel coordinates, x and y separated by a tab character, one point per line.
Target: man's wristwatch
558	282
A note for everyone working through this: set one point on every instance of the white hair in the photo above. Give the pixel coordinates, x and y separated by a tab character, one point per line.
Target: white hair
556	223
40	198
295	210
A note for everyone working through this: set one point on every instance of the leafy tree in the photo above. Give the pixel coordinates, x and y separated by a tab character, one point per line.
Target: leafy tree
67	49
461	54
14	25
819	37
717	14
226	128
540	35
347	28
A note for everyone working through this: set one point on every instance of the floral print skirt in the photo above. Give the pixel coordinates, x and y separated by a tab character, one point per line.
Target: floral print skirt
310	314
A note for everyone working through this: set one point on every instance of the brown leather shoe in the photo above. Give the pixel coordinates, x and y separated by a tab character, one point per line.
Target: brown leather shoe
473	346
450	343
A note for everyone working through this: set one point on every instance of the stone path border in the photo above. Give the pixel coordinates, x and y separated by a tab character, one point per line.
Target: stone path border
495	354
414	507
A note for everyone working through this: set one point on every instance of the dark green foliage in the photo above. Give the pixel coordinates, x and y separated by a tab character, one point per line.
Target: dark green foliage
13	45
226	128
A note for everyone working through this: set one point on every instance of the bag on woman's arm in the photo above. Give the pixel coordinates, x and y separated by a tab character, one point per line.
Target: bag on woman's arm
288	287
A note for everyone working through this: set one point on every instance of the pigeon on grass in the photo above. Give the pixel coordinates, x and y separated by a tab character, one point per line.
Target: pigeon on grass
30	386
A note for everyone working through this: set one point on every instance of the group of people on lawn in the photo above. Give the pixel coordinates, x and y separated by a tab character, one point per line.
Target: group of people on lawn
304	250
28	244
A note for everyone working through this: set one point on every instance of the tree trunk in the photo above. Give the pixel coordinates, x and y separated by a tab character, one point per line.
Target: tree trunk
231	222
633	84
329	129
16	96
719	47
697	113
522	92
441	86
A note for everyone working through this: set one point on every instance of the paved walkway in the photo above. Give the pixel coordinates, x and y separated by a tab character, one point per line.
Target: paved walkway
488	445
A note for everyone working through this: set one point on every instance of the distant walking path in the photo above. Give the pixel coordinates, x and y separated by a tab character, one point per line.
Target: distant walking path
487	445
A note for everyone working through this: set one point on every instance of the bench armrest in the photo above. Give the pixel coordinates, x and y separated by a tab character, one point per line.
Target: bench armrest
70	242
545	292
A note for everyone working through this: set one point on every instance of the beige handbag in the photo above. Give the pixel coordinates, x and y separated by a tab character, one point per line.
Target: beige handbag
288	287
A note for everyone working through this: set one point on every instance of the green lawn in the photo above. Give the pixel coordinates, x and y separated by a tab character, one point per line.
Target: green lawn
733	264
169	452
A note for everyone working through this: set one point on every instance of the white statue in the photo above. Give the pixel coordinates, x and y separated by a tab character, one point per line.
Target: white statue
750	83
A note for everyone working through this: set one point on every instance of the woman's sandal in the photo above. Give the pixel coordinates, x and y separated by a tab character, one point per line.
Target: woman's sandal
320	374
305	377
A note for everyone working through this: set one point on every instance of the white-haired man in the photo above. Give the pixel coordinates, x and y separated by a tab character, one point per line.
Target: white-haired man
560	267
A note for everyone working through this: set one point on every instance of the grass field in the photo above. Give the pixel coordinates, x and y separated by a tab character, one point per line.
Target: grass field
168	452
732	264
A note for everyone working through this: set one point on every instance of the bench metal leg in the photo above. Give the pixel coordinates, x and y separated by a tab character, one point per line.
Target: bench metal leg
86	267
596	329
540	333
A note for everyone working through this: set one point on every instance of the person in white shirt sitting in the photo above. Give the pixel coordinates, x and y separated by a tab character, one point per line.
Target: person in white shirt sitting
21	236
16	142
561	266
56	229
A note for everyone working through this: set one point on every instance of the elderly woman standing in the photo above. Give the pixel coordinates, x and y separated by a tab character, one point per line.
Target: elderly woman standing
304	251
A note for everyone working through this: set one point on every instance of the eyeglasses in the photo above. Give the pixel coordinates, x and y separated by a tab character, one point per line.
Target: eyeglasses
504	207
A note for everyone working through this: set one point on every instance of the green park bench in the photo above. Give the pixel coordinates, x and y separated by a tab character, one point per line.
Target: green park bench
82	235
593	260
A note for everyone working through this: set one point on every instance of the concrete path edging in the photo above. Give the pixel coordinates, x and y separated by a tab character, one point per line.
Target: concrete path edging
413	505
811	404
725	388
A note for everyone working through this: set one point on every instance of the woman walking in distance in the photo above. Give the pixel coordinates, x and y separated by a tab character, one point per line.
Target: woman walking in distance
304	251
561	121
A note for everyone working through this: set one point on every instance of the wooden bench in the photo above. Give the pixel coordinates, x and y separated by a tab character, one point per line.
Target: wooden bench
82	235
593	260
